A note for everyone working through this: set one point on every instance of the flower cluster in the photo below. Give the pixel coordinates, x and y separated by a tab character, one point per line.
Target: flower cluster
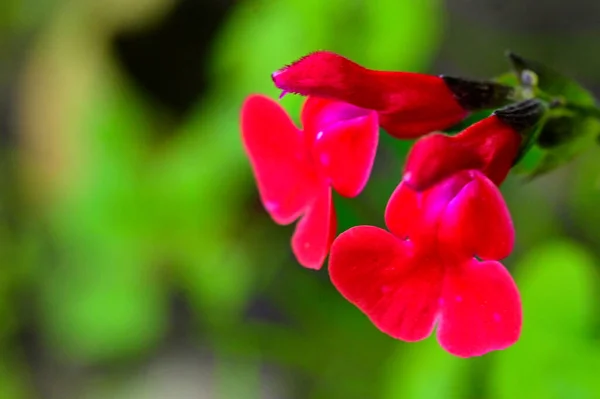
447	224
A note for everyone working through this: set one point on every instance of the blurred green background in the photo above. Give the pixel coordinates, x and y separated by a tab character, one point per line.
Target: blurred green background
137	262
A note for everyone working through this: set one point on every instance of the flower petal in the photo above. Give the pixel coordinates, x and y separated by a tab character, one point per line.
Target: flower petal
409	104
477	222
381	276
414	122
481	309
315	232
404	212
285	176
489	146
436	157
346	151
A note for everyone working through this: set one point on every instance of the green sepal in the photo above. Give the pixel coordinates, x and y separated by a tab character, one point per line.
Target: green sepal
552	82
570	126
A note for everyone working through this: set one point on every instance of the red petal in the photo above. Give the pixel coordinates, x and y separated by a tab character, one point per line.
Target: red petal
404	212
489	146
312	114
346	152
436	157
315	232
429	114
481	309
280	160
409	104
499	148
477	222
380	275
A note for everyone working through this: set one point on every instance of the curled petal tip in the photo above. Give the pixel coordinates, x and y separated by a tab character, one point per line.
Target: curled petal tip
276	73
276	78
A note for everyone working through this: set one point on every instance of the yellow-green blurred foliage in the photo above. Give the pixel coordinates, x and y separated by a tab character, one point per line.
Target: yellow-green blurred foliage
136	261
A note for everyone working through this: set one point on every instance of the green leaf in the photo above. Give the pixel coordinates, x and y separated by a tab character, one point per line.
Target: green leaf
571	125
423	370
398	34
568	141
102	301
556	356
583	193
14	379
553	82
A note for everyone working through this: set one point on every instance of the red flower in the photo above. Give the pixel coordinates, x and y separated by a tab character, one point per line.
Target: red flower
490	145
408	104
296	169
448	228
438	264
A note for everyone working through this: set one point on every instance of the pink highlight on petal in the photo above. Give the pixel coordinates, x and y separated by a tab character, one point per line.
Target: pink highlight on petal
385	289
346	138
271	206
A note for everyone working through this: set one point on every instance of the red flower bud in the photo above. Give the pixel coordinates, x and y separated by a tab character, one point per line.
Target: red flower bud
408	104
490	146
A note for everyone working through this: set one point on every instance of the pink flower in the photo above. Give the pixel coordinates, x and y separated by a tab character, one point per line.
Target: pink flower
448	228
295	169
408	104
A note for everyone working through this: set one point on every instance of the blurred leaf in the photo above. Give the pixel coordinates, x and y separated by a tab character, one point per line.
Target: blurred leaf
113	15
15	382
584	194
103	301
553	82
237	379
555	358
580	135
534	219
568	130
104	318
202	185
423	370
17	16
559	286
328	334
257	39
399	34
